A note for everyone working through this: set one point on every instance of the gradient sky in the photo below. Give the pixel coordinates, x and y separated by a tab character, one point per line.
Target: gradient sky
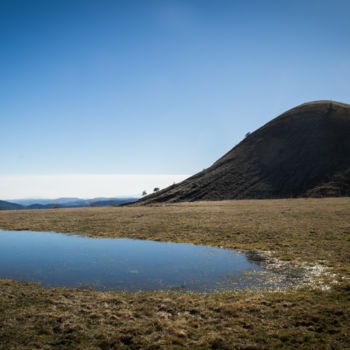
157	86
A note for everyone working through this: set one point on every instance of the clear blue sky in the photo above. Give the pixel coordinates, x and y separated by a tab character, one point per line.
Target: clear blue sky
157	86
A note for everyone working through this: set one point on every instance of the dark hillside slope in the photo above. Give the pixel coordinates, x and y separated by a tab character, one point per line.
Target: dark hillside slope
303	152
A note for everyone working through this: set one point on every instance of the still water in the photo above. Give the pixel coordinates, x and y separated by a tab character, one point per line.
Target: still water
56	259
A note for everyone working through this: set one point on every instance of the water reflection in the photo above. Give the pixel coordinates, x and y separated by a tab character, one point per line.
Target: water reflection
55	259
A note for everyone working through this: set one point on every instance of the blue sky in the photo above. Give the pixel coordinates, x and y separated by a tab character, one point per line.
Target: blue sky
157	86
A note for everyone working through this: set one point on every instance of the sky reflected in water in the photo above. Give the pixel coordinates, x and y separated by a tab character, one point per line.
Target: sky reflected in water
56	259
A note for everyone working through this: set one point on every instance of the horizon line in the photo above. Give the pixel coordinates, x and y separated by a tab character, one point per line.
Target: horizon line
83	186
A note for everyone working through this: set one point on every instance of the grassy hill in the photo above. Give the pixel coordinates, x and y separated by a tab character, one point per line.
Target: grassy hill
303	152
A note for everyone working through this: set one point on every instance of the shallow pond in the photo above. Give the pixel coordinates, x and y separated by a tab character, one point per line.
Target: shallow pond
56	259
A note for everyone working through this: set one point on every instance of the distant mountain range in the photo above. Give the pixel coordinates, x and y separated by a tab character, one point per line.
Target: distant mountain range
10	206
19	204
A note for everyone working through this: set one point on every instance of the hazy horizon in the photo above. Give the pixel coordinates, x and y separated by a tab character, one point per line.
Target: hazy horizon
82	185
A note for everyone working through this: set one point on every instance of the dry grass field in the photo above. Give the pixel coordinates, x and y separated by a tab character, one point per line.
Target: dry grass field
303	231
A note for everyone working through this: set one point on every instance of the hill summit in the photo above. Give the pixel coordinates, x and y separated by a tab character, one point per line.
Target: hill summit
304	152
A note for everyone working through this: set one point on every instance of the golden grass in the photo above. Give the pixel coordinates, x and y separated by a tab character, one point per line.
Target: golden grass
35	318
310	230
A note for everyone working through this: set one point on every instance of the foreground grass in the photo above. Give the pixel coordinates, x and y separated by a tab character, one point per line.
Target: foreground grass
309	230
32	317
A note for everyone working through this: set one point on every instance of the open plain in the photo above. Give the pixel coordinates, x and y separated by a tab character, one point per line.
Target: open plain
314	233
